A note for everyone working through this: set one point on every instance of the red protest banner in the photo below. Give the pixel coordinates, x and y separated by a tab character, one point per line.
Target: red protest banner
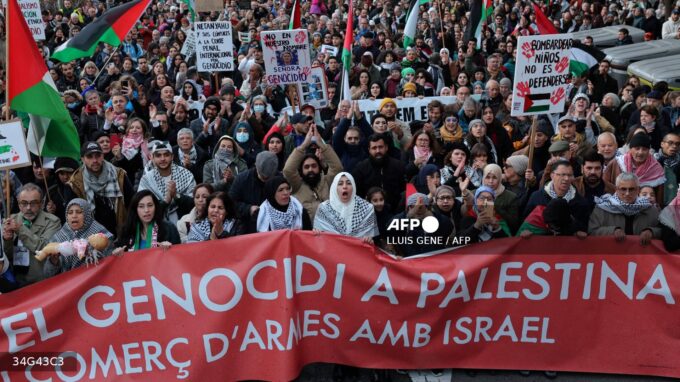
261	307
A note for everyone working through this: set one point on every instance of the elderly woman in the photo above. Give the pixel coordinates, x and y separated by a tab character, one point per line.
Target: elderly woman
220	222
201	193
80	224
225	165
345	213
145	227
281	210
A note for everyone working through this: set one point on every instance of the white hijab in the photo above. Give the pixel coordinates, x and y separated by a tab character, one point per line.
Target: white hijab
346	210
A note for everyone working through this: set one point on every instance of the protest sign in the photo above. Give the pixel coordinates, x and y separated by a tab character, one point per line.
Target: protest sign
408	109
244	37
189	47
541	74
13	149
287	59
217	309
209	5
315	90
330	49
214	48
33	16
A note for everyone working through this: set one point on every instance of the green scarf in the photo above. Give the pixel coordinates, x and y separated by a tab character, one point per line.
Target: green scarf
149	237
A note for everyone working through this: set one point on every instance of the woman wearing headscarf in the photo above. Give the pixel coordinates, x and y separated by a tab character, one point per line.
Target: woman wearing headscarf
145	227
446	204
220	222
506	203
345	213
275	144
80	224
248	146
427	180
281	210
481	223
670	225
201	193
225	165
497	133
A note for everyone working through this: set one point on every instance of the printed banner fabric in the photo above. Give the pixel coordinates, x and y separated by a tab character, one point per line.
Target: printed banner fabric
262	307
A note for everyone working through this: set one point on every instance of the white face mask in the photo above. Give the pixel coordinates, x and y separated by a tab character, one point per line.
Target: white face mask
258	108
242	137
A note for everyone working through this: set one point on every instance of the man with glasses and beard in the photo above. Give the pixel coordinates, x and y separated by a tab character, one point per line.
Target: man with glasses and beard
669	159
26	232
303	169
380	170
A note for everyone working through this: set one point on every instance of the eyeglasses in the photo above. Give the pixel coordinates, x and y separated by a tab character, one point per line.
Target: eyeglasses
32	203
451	119
672	143
445	198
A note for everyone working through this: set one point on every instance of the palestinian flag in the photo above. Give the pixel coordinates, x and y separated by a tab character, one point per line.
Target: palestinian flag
32	91
479	15
543	23
347	54
534	223
191	6
535	103
411	25
295	16
110	28
583	57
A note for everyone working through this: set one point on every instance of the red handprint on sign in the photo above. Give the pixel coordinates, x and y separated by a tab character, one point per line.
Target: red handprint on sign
563	64
300	37
523	89
557	96
269	41
527	50
306	71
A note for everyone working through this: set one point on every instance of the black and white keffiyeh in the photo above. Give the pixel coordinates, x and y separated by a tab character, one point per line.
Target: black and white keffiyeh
193	155
272	219
666	161
355	218
200	231
156	183
611	203
551	191
105	185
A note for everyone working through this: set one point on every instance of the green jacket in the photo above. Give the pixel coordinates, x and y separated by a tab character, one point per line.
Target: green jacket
34	238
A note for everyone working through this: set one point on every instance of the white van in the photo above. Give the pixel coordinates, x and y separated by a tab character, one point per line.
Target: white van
656	70
622	56
606	37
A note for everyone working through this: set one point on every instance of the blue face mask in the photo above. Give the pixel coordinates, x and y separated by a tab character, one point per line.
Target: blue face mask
242	137
72	105
258	108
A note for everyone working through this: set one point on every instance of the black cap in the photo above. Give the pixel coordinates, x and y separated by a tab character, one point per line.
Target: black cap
89	148
300	118
544	126
640	140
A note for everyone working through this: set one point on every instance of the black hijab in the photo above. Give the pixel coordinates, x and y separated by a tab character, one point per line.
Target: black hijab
270	187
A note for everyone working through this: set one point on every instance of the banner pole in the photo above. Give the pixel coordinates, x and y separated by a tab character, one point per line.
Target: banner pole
7	93
94	82
8	206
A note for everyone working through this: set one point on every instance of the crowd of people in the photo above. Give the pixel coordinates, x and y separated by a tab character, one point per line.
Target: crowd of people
171	155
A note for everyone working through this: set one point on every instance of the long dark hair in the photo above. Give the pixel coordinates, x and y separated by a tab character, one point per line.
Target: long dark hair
129	230
211	190
229	205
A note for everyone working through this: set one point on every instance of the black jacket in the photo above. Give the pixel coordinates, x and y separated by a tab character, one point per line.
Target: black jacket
391	177
196	168
246	191
578	207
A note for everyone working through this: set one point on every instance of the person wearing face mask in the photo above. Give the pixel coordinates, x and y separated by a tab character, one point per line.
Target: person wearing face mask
248	147
225	165
258	117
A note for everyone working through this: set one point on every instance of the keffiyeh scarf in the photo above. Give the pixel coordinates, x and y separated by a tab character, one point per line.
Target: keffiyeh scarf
153	181
200	231
132	145
105	185
193	155
612	204
553	195
666	161
272	219
650	172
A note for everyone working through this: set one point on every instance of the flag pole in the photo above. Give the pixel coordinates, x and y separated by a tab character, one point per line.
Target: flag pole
8	206
441	23
532	137
94	82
